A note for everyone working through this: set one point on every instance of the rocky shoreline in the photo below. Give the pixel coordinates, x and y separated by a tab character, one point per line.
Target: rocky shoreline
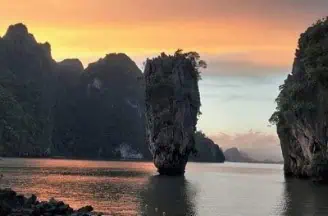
13	204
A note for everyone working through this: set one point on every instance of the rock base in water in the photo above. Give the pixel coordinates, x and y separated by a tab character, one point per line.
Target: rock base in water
171	171
12	204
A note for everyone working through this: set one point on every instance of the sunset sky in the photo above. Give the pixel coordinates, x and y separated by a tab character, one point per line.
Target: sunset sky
249	46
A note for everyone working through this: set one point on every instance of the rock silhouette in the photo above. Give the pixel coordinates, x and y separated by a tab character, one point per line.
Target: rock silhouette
13	204
50	108
172	107
302	108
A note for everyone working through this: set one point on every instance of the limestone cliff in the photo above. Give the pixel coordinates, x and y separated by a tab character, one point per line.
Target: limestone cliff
26	75
172	106
302	107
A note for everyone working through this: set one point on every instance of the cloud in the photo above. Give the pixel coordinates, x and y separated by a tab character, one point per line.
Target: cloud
252	37
150	10
243	68
242	88
251	63
258	145
235	97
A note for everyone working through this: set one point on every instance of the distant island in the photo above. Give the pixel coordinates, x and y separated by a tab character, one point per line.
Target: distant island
236	155
63	110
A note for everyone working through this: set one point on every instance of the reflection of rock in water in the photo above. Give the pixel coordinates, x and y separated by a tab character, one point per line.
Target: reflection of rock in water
303	198
172	195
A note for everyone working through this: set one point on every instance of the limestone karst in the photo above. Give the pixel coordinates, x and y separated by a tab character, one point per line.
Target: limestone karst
172	107
50	108
302	107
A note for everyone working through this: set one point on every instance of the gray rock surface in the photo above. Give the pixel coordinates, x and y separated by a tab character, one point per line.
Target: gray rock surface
172	106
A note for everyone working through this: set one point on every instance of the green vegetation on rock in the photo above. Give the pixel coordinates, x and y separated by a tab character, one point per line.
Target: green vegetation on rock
302	109
300	92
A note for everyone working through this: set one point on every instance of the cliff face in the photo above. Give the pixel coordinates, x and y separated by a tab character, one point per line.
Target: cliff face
26	74
65	133
60	108
172	106
302	111
100	109
113	107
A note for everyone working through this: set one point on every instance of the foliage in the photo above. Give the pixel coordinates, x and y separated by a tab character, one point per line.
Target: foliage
301	91
195	60
15	124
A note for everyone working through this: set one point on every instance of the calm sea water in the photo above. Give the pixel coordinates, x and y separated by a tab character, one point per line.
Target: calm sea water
133	188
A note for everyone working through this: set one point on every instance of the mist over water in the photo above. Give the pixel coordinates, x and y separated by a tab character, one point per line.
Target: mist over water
134	188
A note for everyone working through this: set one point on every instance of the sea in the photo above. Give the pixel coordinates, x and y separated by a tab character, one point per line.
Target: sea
135	188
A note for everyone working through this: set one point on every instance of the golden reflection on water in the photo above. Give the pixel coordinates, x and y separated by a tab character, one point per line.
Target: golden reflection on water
111	187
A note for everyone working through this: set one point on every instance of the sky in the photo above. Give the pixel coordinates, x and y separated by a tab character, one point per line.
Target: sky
249	46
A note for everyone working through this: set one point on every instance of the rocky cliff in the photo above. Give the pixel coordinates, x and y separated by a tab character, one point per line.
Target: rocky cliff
302	108
172	107
100	110
26	75
113	107
50	108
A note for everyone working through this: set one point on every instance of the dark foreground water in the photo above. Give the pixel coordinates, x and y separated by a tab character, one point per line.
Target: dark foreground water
133	188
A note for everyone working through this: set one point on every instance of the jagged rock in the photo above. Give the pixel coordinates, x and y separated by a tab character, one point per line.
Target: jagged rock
172	106
302	108
26	74
11	205
71	65
19	34
85	209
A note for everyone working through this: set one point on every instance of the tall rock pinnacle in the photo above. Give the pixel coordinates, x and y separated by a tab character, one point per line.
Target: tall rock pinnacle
172	107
